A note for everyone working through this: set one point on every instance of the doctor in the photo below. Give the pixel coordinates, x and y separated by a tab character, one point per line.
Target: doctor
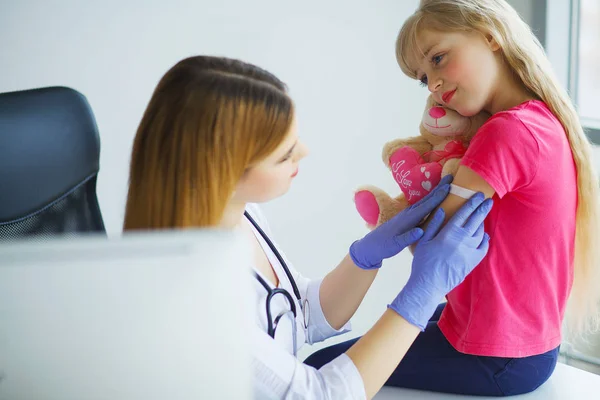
218	136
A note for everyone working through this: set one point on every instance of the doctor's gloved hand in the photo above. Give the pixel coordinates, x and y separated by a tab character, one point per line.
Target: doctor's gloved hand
442	259
401	231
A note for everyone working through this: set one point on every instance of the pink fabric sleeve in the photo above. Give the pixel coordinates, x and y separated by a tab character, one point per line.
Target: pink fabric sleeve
504	153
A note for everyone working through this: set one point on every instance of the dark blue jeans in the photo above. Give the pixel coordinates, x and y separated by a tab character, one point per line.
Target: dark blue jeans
433	364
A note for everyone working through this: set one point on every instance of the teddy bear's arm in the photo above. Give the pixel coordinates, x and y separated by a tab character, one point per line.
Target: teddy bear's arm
419	143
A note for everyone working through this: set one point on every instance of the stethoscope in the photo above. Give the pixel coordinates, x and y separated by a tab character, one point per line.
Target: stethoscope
271	293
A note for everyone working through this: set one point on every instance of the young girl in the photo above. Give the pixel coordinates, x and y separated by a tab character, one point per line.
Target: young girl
500	331
219	136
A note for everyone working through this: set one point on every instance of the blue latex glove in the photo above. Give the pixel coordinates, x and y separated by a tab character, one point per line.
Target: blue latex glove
393	236
442	259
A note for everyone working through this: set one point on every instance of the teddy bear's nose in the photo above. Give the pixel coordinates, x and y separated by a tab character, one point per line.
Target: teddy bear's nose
437	112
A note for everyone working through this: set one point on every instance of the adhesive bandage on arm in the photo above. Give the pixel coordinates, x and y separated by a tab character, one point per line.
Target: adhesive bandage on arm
461	191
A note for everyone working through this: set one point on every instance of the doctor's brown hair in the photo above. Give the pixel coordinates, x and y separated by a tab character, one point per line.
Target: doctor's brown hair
209	119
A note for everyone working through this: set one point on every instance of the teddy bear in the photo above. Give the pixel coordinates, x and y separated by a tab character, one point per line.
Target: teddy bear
419	163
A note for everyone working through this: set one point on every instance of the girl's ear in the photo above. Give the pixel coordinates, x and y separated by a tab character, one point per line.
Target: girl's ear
492	43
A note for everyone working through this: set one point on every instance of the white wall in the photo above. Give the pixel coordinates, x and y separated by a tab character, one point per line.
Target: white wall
524	8
336	56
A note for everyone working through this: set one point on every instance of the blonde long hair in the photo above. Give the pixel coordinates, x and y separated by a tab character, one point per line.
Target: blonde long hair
527	59
208	120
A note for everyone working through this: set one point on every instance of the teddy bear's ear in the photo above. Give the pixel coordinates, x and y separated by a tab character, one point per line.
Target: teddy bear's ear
478	120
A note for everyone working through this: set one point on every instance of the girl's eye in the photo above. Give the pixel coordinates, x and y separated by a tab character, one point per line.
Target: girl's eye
284	159
423	80
437	59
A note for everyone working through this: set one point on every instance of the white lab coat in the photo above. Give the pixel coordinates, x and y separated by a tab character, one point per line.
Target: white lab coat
276	372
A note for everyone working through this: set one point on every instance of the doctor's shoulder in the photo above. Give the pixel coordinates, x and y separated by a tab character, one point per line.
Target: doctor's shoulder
257	215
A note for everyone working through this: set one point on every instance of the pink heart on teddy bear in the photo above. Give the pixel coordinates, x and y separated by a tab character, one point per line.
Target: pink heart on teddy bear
415	177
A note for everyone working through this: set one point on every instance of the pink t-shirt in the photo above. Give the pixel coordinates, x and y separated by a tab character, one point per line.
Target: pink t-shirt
513	303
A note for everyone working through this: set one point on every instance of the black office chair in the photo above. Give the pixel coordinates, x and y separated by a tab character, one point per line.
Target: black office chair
49	161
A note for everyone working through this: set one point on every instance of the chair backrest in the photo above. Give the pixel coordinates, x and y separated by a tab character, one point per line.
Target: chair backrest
49	162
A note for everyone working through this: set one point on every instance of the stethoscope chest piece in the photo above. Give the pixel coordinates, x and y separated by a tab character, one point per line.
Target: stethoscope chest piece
306	313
